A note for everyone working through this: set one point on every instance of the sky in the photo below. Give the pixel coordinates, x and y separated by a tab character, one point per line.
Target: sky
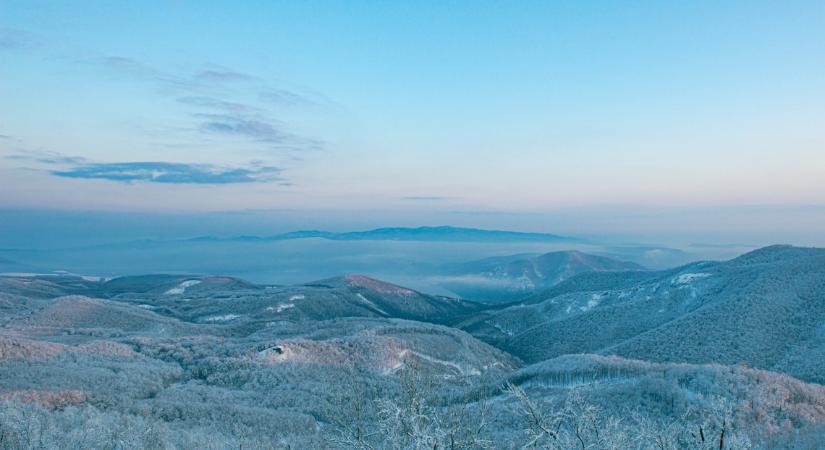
536	115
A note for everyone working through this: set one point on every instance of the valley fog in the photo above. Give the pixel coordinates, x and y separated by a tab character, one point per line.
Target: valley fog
303	260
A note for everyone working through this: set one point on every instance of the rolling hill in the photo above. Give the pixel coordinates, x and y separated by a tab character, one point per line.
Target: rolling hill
236	303
220	353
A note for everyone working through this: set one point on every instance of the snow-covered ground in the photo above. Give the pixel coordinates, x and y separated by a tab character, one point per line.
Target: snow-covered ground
223	318
281	307
181	288
689	277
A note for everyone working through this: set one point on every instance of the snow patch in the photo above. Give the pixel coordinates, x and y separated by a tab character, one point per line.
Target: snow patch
592	303
181	288
280	307
464	371
501	328
689	277
524	282
368	302
224	318
92	278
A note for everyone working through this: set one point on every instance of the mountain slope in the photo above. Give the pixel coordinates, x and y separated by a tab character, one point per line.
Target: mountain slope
762	308
511	277
95	317
236	303
388	300
764	402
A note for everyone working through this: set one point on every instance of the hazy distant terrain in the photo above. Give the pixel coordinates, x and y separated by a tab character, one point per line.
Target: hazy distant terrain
609	353
422	258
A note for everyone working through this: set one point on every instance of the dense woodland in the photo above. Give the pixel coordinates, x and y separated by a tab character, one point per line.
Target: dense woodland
705	356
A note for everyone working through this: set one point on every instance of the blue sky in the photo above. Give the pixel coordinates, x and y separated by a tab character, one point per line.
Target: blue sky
432	107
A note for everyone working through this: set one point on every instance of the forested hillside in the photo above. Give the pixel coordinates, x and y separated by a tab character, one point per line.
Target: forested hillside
706	355
764	309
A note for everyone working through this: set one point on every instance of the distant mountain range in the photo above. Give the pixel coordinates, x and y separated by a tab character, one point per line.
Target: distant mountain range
441	233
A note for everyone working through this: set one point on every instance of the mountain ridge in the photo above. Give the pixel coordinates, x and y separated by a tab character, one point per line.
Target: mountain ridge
763	308
508	278
422	233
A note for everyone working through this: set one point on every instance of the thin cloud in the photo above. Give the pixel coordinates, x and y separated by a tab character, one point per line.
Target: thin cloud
11	39
129	66
218	115
257	129
172	173
63	160
44	157
217	73
283	97
239	125
201	80
426	198
141	71
217	104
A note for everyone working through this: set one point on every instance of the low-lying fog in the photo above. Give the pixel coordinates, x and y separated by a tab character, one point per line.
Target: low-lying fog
420	265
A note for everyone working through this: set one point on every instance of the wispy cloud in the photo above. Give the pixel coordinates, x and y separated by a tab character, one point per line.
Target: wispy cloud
426	198
172	173
217	104
210	93
129	66
45	157
255	128
240	125
218	73
203	79
68	166
282	97
12	39
139	70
